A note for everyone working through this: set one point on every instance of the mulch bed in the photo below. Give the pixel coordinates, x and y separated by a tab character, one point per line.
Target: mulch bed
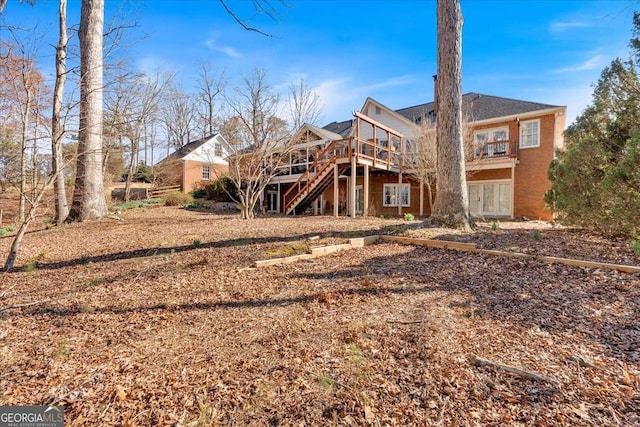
159	319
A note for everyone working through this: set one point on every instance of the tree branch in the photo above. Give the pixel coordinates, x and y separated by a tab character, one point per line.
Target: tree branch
242	23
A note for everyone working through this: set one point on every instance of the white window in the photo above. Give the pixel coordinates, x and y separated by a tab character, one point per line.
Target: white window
530	134
491	135
485	137
396	193
217	149
206	172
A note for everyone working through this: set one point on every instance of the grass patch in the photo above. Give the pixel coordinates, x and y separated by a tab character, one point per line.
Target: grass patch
33	263
635	246
6	230
536	235
238	242
297	248
326	382
199	206
177	198
134	204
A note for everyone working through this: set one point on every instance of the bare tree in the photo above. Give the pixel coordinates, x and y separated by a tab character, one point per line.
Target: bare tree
131	105
210	85
88	198
304	104
451	204
259	140
179	118
57	126
24	88
422	156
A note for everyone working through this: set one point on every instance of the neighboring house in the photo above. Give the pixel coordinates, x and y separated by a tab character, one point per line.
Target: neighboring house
364	164
195	163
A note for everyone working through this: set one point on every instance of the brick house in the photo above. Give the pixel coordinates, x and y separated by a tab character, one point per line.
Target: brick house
362	166
194	164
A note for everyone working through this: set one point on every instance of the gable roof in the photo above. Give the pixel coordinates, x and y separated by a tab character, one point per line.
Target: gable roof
341	128
476	106
323	133
479	107
188	148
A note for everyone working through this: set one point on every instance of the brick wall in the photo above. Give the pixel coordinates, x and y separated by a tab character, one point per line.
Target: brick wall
192	174
531	180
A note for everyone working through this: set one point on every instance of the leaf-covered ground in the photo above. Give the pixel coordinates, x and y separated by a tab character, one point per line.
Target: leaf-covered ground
160	319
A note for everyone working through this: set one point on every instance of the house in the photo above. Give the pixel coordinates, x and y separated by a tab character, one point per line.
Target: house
195	163
364	166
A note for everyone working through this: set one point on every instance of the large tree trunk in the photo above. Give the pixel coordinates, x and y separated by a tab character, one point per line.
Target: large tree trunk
451	204
62	208
88	197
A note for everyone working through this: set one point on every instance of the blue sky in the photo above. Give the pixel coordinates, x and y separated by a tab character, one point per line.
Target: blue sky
545	51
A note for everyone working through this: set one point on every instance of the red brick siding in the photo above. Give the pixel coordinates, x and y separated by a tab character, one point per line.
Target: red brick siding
488	175
192	174
531	180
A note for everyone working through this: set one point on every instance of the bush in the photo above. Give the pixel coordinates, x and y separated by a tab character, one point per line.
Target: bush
409	217
199	193
220	190
177	198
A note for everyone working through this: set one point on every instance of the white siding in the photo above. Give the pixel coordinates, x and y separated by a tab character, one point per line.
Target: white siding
206	152
391	120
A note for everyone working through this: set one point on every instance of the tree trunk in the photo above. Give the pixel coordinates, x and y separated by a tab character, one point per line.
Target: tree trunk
17	241
23	152
88	198
451	204
131	170
62	208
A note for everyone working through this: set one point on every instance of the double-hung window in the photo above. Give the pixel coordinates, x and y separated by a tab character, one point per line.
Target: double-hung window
530	134
206	172
394	194
217	149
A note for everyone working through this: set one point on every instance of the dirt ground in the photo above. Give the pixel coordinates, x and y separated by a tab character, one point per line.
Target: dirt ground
160	319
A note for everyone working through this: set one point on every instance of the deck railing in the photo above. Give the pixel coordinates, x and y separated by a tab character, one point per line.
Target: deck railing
495	150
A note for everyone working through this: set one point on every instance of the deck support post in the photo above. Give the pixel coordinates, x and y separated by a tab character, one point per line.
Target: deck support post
352	188
336	202
322	204
400	193
365	192
513	186
421	197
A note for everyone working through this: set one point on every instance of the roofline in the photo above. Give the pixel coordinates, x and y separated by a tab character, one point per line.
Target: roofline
379	104
526	115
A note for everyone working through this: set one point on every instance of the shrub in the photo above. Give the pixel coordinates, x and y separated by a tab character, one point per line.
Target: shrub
409	217
177	198
221	190
199	193
635	246
495	225
536	235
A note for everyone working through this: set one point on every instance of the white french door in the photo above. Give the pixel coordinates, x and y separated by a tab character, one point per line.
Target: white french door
490	198
273	202
359	199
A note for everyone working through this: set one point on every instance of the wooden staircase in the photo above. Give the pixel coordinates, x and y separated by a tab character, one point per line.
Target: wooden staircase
314	181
